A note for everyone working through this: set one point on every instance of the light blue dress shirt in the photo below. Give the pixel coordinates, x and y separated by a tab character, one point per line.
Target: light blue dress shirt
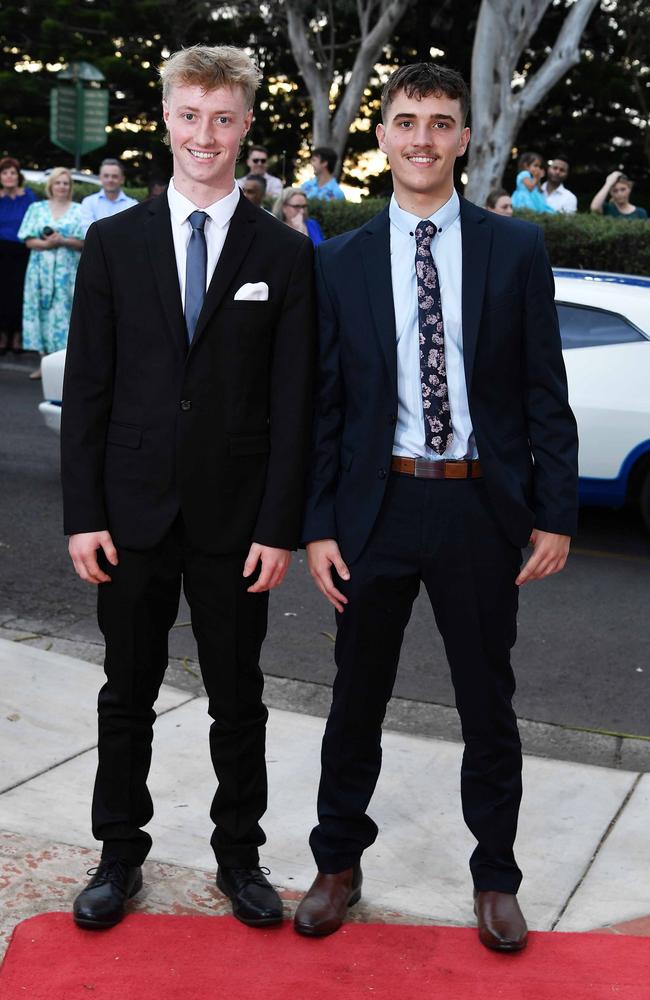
328	192
98	206
446	248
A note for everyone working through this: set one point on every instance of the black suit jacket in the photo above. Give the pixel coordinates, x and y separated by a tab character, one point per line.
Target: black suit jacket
218	431
524	429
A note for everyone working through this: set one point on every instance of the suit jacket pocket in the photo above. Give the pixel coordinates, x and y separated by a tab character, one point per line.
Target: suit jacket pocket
124	435
248	444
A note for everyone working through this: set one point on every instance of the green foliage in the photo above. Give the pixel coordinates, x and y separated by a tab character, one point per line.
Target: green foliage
335	217
582	241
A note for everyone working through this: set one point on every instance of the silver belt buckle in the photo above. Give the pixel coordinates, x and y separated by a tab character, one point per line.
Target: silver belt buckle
424	468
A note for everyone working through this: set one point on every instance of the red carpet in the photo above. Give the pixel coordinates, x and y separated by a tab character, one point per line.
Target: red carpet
216	958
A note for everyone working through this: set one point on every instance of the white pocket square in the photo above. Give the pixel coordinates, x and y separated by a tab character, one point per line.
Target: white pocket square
252	291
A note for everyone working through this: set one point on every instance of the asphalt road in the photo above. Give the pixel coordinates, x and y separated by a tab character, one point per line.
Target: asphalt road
582	656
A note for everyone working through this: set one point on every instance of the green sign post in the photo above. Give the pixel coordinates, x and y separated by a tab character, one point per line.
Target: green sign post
78	113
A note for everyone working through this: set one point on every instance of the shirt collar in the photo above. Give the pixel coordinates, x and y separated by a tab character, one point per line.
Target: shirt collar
102	194
220	212
560	189
442	219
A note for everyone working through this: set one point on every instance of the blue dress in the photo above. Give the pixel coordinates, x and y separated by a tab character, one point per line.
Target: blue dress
531	201
13	260
49	282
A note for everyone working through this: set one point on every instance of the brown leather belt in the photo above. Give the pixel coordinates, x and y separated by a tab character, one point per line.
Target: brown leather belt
423	468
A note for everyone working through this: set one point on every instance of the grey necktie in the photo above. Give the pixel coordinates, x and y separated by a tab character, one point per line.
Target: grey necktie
195	272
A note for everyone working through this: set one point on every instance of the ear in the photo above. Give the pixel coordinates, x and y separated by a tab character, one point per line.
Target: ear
248	121
380	132
464	141
165	112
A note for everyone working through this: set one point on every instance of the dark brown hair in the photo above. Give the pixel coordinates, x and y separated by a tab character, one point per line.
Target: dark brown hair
422	80
8	161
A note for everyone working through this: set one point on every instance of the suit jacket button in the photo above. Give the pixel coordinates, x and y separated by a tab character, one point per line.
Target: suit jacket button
392	419
186	404
382	473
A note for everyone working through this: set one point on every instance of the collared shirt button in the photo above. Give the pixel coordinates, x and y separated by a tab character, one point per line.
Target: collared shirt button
186	404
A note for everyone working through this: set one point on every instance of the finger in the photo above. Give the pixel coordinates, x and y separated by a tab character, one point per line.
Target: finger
341	568
110	552
251	562
331	592
88	570
262	582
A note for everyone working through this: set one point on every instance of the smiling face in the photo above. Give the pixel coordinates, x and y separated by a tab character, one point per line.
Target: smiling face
9	178
111	179
205	132
422	138
62	188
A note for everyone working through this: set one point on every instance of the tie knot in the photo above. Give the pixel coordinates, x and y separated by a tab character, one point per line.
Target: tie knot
424	233
197	220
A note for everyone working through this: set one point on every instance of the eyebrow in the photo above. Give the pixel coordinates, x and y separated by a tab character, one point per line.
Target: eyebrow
410	117
188	107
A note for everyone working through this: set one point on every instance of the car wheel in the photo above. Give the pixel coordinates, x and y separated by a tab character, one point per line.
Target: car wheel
644	499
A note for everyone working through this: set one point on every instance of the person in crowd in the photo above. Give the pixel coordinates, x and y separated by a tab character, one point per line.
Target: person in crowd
15	199
253	187
527	195
53	232
292	207
323	184
184	437
443	444
111	199
556	195
499	201
157	185
256	161
618	188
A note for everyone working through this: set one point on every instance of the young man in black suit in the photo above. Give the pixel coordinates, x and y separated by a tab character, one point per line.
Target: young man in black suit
443	444
187	398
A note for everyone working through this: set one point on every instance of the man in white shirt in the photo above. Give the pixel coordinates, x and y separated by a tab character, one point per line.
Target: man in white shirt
111	199
443	444
256	161
559	198
184	443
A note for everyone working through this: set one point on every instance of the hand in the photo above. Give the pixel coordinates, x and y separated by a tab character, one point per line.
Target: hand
612	178
52	240
83	552
537	172
321	556
275	563
297	221
549	556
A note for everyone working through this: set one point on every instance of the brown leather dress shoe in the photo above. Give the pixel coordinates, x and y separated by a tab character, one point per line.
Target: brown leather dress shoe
501	924
322	910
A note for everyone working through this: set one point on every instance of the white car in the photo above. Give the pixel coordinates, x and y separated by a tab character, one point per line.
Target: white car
605	326
40	176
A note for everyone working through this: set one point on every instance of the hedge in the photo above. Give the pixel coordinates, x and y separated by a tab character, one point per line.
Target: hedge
583	241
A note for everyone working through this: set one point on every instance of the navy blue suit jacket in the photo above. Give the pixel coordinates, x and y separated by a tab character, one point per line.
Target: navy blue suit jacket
524	429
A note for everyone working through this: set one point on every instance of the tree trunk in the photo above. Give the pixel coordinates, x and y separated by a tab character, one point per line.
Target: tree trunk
503	31
317	66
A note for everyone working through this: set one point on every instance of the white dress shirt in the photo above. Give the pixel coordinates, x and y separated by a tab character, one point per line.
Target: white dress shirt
218	219
446	248
560	199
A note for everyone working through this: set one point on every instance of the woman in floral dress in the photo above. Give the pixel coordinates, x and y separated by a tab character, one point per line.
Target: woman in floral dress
53	232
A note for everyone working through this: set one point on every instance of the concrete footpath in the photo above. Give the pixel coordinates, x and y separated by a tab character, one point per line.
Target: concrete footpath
583	842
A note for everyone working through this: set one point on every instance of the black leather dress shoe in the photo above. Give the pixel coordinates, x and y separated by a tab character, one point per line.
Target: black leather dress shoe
103	901
501	924
254	900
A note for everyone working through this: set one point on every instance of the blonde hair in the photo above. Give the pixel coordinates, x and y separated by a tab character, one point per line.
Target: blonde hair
54	176
209	67
283	198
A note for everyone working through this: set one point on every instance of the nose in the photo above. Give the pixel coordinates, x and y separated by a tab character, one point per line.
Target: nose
205	133
421	135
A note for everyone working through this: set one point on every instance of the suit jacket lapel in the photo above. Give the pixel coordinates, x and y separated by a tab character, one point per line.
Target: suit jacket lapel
375	252
160	243
476	239
241	232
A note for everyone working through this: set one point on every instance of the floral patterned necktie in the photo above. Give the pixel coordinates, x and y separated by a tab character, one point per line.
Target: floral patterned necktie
433	373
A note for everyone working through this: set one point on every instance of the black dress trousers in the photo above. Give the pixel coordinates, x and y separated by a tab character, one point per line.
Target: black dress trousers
443	533
136	611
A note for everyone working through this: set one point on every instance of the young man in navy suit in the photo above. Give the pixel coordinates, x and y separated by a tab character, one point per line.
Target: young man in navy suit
443	445
184	442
